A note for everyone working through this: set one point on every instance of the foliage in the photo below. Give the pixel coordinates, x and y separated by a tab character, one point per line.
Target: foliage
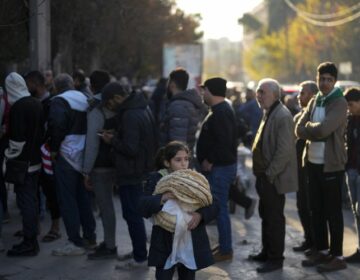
292	53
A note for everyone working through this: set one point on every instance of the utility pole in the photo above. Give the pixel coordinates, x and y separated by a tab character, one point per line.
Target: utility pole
40	35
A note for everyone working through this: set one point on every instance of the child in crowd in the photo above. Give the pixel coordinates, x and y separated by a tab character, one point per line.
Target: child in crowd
178	185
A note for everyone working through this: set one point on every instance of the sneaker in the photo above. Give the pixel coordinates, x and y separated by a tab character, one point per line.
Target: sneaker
24	249
220	257
334	265
102	253
125	257
130	264
69	249
249	212
89	244
354	258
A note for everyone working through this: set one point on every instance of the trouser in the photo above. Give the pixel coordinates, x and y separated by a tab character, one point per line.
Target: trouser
74	202
129	197
239	197
271	211
325	202
102	180
27	201
167	274
353	183
220	178
47	183
303	206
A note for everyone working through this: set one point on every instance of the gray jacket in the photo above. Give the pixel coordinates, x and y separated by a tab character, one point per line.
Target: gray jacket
183	114
279	150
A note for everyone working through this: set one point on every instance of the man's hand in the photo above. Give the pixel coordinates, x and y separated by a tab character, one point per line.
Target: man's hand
87	183
107	136
195	220
206	166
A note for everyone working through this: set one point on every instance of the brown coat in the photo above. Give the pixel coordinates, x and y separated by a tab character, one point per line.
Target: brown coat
332	128
278	148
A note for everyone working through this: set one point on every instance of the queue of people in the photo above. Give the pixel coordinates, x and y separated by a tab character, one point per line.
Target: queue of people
77	143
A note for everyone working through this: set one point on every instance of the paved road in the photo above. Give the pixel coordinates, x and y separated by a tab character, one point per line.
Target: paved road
246	239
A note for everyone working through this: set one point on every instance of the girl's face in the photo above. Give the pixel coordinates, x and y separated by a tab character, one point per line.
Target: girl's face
178	162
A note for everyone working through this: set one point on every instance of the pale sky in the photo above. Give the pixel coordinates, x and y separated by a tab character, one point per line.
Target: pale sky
219	17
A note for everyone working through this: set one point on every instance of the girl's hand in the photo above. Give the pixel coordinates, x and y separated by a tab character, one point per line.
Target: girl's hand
195	220
107	136
166	196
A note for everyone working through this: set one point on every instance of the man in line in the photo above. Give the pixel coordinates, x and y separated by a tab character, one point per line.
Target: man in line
352	97
323	126
133	144
183	113
25	139
307	91
274	165
217	154
67	130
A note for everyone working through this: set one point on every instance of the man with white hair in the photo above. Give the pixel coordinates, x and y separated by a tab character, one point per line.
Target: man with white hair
275	168
25	137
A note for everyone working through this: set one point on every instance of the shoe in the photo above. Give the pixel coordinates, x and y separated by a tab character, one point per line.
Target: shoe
24	249
51	236
334	265
269	266
69	249
354	258
220	257
302	247
89	244
125	257
102	253
249	212
317	259
260	257
310	252
131	264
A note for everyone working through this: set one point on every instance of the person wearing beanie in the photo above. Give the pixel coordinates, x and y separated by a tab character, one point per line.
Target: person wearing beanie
217	155
25	140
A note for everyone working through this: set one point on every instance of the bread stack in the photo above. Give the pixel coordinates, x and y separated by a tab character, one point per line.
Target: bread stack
191	190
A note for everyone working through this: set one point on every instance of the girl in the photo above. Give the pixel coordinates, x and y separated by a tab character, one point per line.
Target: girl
173	157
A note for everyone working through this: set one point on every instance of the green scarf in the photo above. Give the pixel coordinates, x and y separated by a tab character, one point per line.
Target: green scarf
322	101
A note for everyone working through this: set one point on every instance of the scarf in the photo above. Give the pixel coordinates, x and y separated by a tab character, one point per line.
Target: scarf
322	101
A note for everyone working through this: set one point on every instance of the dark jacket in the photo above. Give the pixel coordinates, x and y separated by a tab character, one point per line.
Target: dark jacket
161	239
218	140
183	114
26	127
135	140
353	143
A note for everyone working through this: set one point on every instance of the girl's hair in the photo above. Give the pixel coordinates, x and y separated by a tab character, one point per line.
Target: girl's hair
168	152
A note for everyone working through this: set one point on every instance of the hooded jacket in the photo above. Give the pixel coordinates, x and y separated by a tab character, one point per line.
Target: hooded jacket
183	114
135	140
26	126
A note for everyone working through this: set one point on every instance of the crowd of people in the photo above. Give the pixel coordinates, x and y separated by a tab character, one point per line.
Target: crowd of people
172	157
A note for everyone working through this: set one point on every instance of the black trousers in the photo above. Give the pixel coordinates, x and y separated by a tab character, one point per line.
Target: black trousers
47	183
183	272
325	202
303	206
27	200
239	197
271	211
